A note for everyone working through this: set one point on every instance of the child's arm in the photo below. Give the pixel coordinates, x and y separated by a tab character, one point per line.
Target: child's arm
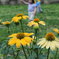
35	11
25	2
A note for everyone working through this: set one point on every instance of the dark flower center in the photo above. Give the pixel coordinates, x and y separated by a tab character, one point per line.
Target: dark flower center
50	36
20	35
36	20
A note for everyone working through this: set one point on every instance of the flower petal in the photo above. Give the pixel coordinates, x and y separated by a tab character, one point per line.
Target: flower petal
28	34
52	46
12	41
41	42
48	45
42	22
18	43
55	29
23	42
44	45
28	39
13	35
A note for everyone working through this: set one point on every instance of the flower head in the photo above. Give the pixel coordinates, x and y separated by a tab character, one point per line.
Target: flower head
6	23
39	22
19	17
35	23
20	39
22	16
50	41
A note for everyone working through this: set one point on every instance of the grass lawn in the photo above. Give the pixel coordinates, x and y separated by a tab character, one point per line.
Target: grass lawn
50	15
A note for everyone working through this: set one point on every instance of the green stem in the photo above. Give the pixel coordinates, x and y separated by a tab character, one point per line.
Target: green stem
40	51
28	51
56	54
24	52
17	54
4	56
22	26
35	35
8	30
36	49
48	53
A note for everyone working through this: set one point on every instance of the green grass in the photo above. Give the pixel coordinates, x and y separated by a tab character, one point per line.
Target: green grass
50	15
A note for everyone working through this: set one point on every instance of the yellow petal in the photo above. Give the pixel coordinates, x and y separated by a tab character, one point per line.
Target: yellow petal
55	29
6	22
48	45
56	44
41	42
18	43
31	23
23	42
44	45
12	41
28	34
52	46
42	22
13	35
28	39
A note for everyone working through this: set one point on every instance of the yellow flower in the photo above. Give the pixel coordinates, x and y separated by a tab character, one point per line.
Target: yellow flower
6	23
56	30
35	23
39	22
16	19
50	41
22	16
20	39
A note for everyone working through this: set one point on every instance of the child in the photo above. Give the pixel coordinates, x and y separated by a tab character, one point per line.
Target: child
31	8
